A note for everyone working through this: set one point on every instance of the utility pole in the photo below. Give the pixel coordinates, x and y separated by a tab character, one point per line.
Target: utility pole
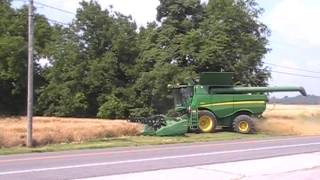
30	74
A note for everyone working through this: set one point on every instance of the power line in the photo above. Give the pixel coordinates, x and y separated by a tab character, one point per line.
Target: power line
294	74
293	68
55	8
58	22
48	19
49	6
25	1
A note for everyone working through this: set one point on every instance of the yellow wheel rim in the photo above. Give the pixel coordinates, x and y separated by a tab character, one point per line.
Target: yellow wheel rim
243	126
205	123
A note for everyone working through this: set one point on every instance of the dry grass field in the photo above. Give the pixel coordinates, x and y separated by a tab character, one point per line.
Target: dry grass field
48	130
291	120
278	120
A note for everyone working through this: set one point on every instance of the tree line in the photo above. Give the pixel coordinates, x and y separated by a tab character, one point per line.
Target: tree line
103	65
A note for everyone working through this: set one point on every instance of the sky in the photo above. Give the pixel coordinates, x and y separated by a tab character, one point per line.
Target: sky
294	40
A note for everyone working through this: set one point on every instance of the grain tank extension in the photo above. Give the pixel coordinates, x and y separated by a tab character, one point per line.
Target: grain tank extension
210	102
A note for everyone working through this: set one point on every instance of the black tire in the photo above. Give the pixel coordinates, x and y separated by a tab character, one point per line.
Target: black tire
244	124
207	121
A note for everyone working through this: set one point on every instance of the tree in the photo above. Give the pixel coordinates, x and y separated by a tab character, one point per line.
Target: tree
13	56
181	14
91	62
233	39
101	65
223	35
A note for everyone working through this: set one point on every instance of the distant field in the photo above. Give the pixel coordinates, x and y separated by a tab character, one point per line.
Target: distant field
291	120
49	130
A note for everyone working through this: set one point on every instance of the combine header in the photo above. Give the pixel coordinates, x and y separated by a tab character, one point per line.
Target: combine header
212	101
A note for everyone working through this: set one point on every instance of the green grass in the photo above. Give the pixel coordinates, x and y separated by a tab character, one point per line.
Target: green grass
134	141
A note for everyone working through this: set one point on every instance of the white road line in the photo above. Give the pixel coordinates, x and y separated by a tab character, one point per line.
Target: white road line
183	146
155	159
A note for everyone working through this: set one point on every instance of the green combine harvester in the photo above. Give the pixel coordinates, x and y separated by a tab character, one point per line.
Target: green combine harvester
212	102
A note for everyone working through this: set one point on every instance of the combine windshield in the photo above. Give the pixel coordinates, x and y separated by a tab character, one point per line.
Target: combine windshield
180	95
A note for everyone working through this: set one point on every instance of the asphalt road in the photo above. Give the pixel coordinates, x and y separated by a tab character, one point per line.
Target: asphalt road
102	162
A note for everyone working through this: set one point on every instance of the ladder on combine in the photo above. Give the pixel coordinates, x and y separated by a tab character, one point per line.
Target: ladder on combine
194	124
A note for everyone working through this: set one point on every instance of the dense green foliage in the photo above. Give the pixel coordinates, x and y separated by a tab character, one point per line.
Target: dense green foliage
102	65
13	56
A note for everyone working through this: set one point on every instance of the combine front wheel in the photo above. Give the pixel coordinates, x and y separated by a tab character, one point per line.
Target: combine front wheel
207	121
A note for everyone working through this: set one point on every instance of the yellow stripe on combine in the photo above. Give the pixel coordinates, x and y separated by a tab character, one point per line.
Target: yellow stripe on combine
234	103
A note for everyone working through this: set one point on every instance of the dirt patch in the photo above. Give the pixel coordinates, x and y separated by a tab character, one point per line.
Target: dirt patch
291	120
48	130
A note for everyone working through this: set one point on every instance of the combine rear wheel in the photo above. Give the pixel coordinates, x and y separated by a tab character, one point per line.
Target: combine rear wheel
244	124
207	121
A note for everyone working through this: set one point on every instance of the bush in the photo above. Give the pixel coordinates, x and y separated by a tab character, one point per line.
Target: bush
141	112
173	113
113	108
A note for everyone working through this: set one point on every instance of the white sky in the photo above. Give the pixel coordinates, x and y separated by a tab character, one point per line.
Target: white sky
295	27
295	41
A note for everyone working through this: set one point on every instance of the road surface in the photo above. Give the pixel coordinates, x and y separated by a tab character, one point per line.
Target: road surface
112	161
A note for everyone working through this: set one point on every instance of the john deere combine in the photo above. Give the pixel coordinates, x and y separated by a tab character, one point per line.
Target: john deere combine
210	102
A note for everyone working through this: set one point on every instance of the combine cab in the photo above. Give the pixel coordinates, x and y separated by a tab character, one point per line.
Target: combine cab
211	102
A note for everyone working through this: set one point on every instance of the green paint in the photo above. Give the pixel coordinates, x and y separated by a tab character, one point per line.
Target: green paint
214	93
174	128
